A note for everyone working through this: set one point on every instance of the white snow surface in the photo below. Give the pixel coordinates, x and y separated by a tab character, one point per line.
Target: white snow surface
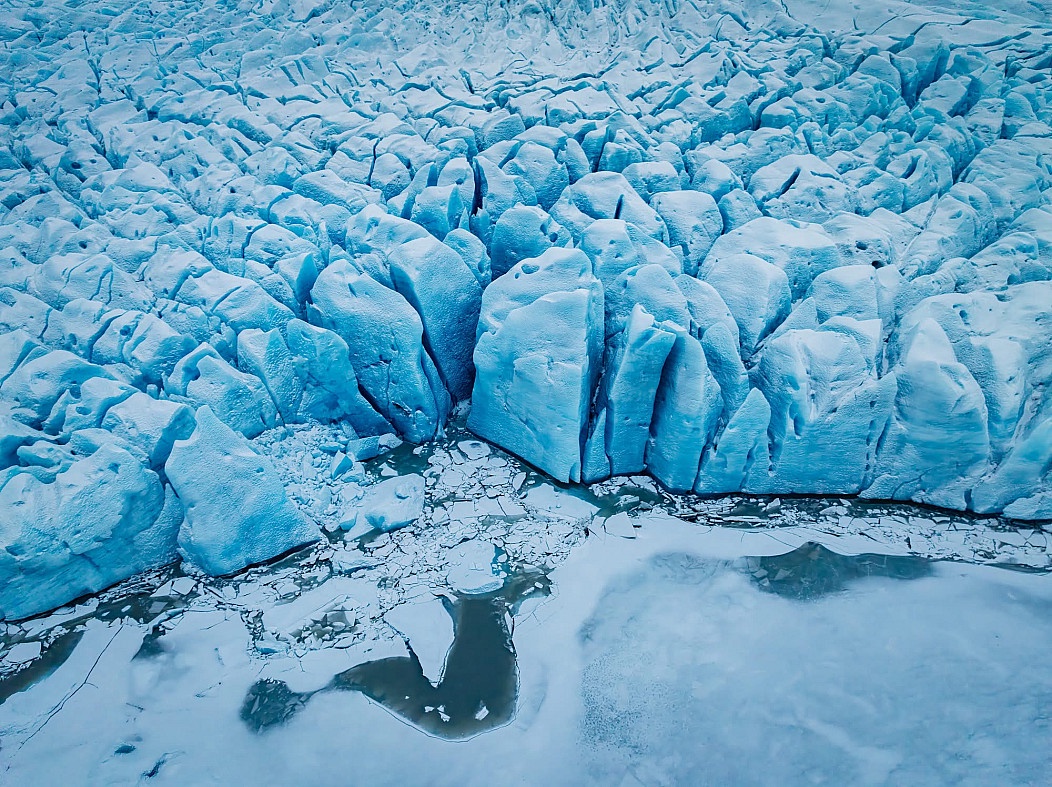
764	247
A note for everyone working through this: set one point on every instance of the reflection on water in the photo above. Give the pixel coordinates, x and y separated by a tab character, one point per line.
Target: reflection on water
479	684
812	667
138	606
50	659
811	571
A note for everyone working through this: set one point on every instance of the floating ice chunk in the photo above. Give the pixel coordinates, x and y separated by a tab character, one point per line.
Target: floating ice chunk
474	449
474	568
331	603
428	627
390	504
620	524
237	513
556	503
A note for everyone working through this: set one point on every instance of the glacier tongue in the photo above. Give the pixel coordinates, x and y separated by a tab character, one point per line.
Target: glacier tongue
763	247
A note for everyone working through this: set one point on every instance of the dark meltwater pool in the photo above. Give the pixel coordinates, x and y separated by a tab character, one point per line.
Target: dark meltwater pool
478	686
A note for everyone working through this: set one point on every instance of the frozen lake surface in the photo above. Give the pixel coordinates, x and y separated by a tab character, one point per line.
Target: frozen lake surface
594	639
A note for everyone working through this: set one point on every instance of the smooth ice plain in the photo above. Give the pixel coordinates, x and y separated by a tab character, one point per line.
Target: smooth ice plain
525	392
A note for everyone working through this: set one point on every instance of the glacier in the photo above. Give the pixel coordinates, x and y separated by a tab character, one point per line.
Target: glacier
705	241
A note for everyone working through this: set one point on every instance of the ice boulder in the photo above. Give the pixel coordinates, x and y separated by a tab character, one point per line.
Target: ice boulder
756	292
826	400
239	399
384	335
236	509
937	442
522	232
388	505
706	306
631	379
686	408
606	195
96	523
321	360
739	457
39	381
801	250
694	223
497	192
801	187
537	358
849	291
446	294
266	355
150	426
474	254
373	230
538	165
614	246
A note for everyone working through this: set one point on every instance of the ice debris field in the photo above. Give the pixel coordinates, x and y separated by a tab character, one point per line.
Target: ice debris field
354	338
